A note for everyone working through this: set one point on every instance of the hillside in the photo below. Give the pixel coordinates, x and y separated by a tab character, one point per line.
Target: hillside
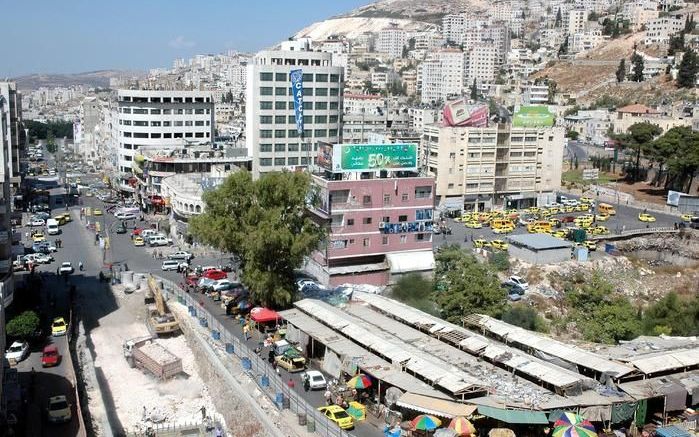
352	27
98	78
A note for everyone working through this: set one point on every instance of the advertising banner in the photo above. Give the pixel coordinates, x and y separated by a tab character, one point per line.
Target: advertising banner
374	157
297	89
459	113
325	155
533	116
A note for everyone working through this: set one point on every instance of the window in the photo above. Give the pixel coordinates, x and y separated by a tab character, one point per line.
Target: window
321	105
179	111
402	218
292	119
265	162
305	147
386	219
188	111
323	92
281	77
266	91
293	133
450	186
366	220
140	111
125	122
140	123
188	123
321	119
404	197
320	133
140	135
334	92
386	199
126	110
334	105
280	91
265	147
197	134
155	135
280	147
423	214
403	239
265	105
293	147
179	123
198	123
423	192
188	135
293	161
307	105
199	111
332	119
167	111
167	124
332	133
127	134
350	222
384	239
155	111
167	135
266	77
280	119
334	78
366	200
280	161
321	77
308	91
265	119
128	146
304	160
366	242
265	133
155	123
280	105
280	133
423	237
308	77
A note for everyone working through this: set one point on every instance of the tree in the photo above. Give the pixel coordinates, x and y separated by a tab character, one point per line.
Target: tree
552	90
638	139
500	261
687	74
637	69
673	315
23	326
404	52
559	19
264	224
572	134
689	24
663	149
575	162
593	16
684	163
676	44
411	43
563	49
621	71
474	90
525	317
415	290
470	286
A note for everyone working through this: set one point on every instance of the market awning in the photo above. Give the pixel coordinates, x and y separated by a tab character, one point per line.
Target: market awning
514	416
263	315
437	407
406	262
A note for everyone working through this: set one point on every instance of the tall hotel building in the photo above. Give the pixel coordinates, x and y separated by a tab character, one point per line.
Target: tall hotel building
272	138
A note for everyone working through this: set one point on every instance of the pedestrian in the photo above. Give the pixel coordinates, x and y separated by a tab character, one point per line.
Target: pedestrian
203	412
246	332
80	266
306	383
291	383
58	271
219	433
328	396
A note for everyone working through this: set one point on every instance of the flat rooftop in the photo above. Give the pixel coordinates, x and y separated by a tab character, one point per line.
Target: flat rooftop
538	242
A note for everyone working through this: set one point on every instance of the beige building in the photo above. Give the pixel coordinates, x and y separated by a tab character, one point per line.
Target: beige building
498	166
632	114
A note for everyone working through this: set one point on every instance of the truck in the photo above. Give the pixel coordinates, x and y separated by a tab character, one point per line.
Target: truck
158	316
52	227
148	355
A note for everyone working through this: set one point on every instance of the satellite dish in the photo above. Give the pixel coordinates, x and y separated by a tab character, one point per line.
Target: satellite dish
392	396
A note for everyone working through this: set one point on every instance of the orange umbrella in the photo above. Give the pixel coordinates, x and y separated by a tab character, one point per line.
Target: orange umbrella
462	426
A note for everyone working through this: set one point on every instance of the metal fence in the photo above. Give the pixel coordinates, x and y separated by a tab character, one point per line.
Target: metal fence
268	381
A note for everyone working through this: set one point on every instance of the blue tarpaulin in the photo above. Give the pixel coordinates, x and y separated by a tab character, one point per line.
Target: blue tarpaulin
672	431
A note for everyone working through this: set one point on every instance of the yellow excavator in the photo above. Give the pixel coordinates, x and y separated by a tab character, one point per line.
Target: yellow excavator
160	320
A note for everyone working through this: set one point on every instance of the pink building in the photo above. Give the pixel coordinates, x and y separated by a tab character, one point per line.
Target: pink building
379	228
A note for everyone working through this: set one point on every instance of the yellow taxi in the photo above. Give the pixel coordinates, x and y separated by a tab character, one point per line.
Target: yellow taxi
545	213
96	211
473	224
533	209
559	233
480	243
504	229
139	241
586	199
647	218
338	415
599	230
59	327
554	222
602	217
554	210
582	207
38	237
499	245
538	227
589	245
688	217
568	209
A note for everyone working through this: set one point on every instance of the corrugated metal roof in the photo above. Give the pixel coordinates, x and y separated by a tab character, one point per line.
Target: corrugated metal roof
663	361
437	407
538	241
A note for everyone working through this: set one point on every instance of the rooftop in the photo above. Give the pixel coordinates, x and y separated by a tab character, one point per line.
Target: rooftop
538	241
637	109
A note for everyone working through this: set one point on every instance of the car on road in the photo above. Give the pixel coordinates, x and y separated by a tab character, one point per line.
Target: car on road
38	237
316	380
59	327
687	218
36	222
17	351
181	254
602	217
58	410
291	362
50	356
473	224
560	233
139	242
599	230
214	274
42	215
646	218
173	264
224	285
43	258
66	268
589	245
97	212
499	245
158	240
338	415
479	243
519	281
125	216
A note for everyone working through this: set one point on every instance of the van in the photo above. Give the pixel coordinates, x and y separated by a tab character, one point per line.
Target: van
539	226
170	264
52	227
147	233
605	208
158	240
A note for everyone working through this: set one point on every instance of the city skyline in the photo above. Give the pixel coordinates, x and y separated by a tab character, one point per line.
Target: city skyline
84	36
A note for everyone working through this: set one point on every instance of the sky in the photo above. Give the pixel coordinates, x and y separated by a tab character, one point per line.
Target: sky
72	36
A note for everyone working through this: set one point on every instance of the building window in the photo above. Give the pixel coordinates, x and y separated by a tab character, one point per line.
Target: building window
332	133
126	110
423	237
188	123
279	91
293	133
402	218
292	119
199	111
334	92
308	77
280	119
321	105
188	111
265	147
140	111
265	162
366	242
308	91
198	123
265	119
334	105
265	105
188	135
386	199
293	147
333	119
386	219
155	111
279	161
321	77
167	135
266	77
140	123
155	135
140	135
404	197
350	222
403	239
366	220
167	111
304	160
334	78
450	186
265	133
423	192
384	239
322	92
321	118
320	133
280	147
293	160
366	200
266	91
308	105
127	158
199	135
128	146
280	106
280	133
281	77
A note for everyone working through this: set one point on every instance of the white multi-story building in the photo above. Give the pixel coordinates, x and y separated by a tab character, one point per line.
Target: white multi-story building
368	104
535	94
158	120
482	64
442	75
478	168
391	41
660	30
576	21
453	25
584	41
84	129
8	111
15	134
271	134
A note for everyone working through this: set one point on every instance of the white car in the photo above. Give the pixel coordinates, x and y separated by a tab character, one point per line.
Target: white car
181	254
17	352
223	285
58	410
43	258
316	380
519	281
37	222
173	264
66	268
125	216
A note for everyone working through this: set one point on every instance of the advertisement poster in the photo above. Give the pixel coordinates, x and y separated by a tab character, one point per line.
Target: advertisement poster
325	155
374	157
297	89
459	113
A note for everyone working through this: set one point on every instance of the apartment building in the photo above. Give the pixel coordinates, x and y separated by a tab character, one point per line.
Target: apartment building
499	37
660	30
535	94
84	129
637	113
391	41
364	104
453	25
271	135
584	41
499	166
576	21
7	107
160	120
357	128
16	134
378	228
442	75
482	64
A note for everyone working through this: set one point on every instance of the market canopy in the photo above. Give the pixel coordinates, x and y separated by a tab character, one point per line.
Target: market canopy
437	407
514	416
263	315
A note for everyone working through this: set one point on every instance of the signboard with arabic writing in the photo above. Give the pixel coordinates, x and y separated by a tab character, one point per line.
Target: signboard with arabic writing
374	157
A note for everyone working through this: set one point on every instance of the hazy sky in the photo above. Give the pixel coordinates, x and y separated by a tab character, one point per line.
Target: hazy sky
70	36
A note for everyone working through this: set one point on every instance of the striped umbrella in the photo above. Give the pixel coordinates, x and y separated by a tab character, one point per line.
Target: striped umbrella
359	381
425	422
570	419
462	426
573	431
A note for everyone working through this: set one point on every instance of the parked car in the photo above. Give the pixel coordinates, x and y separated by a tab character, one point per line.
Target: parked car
59	327
224	285
50	356
173	264
291	362
17	351
38	237
59	410
316	380
37	222
519	281
215	274
125	216
181	254
158	240
66	268
139	242
43	258
338	415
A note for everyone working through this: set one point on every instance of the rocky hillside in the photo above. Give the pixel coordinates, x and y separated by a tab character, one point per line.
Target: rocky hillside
91	79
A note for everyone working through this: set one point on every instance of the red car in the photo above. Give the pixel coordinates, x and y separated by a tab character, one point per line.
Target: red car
215	274
50	356
136	231
192	280
568	219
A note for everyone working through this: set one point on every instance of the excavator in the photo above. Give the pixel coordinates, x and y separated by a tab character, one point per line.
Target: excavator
160	320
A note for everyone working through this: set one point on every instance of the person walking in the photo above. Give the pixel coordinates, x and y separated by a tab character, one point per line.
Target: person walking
203	412
80	266
246	332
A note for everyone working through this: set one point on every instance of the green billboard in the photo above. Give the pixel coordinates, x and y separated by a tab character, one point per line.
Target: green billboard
533	116
374	157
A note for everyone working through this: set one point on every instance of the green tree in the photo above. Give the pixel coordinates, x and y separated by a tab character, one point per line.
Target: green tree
404	52
664	148
559	19
500	261
676	44
687	74
23	326
637	69
593	16
689	24
553	90
673	315
525	317
572	134
415	290
471	287
563	49
621	71
474	90
264	223
684	163
638	139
